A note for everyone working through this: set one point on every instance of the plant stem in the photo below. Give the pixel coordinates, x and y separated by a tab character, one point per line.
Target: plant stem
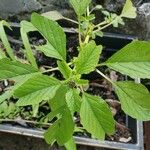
68	19
53	69
107	25
108	79
100	24
99	65
50	70
79	34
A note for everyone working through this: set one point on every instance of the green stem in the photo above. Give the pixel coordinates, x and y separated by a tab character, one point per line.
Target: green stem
108	79
79	34
107	25
99	65
100	24
50	70
68	19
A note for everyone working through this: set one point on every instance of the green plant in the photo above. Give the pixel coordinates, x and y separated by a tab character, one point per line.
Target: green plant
68	96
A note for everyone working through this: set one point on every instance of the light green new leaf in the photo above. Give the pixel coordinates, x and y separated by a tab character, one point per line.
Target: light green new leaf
61	130
64	69
80	6
73	100
53	15
37	89
54	34
96	116
132	60
70	145
10	69
25	28
135	99
129	11
88	58
4	39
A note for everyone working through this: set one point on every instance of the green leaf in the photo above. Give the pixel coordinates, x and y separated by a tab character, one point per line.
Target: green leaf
10	69
37	89
96	116
5	40
80	6
25	28
133	99
54	34
70	145
64	69
73	100
5	96
61	130
133	60
88	58
56	102
2	54
51	134
53	15
129	11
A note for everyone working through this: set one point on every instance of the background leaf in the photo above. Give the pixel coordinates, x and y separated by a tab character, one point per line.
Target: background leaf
53	15
132	60
88	58
96	117
5	40
129	11
54	34
133	100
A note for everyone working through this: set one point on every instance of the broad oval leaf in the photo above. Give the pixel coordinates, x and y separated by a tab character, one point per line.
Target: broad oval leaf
96	116
37	89
134	99
62	129
71	145
10	69
129	11
88	58
73	100
53	33
64	69
56	102
80	6
133	60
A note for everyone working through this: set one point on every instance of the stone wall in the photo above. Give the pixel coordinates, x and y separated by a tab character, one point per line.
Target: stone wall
17	10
